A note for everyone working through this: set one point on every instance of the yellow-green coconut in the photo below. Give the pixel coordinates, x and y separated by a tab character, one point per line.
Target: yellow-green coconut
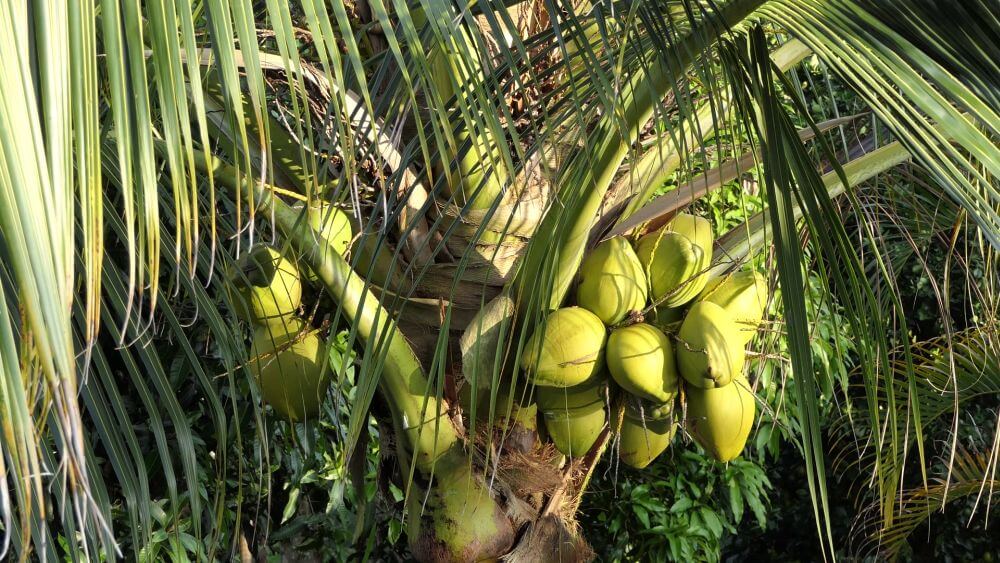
743	295
641	360
676	258
457	518
667	319
574	431
642	438
697	229
290	368
563	398
612	281
710	349
272	289
720	419
567	349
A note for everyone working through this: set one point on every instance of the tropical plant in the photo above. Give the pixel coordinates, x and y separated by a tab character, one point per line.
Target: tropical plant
480	148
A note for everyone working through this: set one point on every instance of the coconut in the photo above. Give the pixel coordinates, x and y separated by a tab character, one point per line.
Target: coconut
457	517
575	430
676	258
667	319
274	290
641	361
567	349
709	346
697	229
743	295
720	419
290	369
521	427
612	281
643	438
563	398
654	411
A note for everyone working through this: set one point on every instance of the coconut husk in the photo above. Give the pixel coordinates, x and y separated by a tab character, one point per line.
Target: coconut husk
531	473
549	539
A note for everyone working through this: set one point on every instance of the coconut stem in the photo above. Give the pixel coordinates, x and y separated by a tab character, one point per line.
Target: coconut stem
423	418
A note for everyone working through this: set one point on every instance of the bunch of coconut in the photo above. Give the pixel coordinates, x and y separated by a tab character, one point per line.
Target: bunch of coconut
694	340
288	358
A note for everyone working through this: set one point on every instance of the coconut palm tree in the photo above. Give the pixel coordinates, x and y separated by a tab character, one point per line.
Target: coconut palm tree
481	150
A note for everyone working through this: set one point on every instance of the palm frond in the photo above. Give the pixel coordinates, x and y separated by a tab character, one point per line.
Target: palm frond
972	477
451	130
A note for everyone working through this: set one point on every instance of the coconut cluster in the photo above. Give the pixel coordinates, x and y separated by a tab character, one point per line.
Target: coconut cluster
649	322
288	358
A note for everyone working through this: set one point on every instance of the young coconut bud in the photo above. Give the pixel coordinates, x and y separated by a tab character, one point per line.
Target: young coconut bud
676	259
520	428
290	368
612	282
720	419
743	295
567	349
641	360
274	290
643	438
709	347
575	430
513	415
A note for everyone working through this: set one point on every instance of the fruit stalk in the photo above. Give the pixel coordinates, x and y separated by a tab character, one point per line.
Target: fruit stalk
428	430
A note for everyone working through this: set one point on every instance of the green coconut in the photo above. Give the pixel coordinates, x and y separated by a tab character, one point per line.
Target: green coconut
575	430
710	348
743	295
676	259
641	360
272	290
720	419
290	369
567	349
643	438
457	518
562	398
667	319
612	281
656	411
520	428
697	229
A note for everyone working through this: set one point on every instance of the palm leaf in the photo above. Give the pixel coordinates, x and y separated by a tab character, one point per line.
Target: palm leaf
594	80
